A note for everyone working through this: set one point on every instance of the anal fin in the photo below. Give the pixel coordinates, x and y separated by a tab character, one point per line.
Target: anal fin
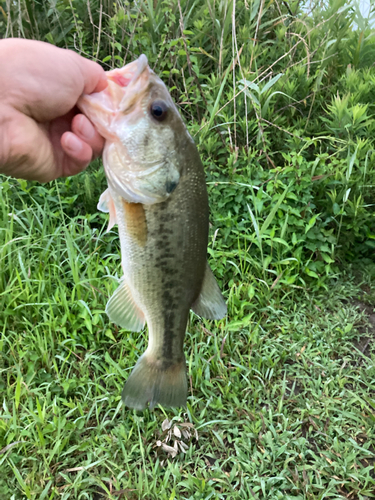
210	304
123	311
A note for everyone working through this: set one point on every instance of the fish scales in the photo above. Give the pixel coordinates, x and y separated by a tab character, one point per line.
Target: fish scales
161	209
166	273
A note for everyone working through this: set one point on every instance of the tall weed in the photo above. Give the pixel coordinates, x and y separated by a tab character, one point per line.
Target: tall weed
280	100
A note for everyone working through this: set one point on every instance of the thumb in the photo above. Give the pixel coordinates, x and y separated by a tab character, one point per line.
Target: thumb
94	77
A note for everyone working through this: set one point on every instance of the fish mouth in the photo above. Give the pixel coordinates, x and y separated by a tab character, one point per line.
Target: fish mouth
125	85
129	75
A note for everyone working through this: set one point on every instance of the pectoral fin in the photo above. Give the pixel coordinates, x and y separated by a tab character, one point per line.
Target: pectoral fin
106	204
210	304
122	309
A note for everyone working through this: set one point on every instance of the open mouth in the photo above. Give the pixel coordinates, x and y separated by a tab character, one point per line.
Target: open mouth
129	73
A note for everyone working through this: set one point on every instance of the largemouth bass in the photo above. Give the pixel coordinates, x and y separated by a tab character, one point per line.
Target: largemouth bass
157	195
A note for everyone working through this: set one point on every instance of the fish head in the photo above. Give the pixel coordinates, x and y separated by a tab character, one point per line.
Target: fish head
144	133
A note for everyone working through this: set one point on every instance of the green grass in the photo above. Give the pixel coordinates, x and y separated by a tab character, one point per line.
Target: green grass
282	398
282	393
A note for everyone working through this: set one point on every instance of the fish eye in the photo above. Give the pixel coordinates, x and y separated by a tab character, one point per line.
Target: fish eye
159	110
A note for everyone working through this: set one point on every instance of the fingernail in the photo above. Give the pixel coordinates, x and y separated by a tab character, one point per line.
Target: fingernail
73	143
86	129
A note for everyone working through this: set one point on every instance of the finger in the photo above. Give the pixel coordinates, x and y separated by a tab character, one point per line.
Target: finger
94	77
44	81
72	153
79	154
102	84
27	150
73	167
85	130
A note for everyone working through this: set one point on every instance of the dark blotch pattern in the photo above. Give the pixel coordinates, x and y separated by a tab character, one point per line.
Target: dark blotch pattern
170	186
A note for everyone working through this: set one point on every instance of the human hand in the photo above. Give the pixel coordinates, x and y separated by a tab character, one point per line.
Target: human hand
41	135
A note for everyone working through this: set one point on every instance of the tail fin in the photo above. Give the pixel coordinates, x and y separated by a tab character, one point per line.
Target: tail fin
152	383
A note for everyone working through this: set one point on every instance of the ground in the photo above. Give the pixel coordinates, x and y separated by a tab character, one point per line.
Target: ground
281	402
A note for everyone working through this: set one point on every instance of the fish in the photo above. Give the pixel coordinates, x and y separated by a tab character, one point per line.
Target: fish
157	196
